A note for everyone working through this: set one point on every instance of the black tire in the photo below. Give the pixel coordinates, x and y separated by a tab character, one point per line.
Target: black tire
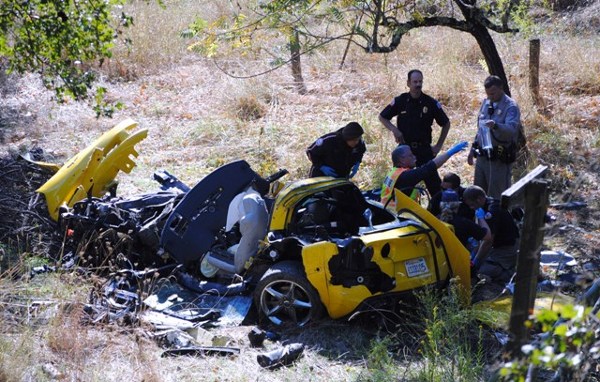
285	296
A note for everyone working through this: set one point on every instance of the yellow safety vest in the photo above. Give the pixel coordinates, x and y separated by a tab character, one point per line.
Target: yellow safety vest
387	189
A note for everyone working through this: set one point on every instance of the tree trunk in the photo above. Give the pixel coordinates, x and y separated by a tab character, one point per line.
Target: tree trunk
490	53
296	66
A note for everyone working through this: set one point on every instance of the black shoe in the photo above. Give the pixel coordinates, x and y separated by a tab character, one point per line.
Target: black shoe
280	357
256	337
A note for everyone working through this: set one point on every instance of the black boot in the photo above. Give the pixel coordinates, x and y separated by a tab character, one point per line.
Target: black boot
280	357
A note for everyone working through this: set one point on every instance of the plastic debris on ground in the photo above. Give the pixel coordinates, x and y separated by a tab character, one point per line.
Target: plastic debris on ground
173	300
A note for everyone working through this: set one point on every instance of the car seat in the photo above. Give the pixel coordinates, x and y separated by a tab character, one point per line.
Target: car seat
249	209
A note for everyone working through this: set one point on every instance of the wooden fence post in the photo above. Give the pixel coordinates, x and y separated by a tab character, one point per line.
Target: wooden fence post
535	192
534	71
528	263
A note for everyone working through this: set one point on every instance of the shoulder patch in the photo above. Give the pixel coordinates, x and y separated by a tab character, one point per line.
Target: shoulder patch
393	102
438	104
319	142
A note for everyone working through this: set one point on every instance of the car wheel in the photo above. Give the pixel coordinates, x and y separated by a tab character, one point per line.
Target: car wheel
284	295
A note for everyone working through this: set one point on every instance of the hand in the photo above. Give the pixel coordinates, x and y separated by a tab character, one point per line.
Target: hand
457	148
480	213
328	171
470	158
354	170
399	138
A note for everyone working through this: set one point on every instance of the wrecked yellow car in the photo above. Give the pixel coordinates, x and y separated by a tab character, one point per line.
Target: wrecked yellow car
316	246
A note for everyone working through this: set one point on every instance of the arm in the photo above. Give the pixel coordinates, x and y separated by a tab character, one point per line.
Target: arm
316	152
508	129
390	126
482	252
442	158
486	241
443	134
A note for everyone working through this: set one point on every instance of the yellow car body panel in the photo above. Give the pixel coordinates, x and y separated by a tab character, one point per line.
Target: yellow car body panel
92	171
458	255
340	300
429	244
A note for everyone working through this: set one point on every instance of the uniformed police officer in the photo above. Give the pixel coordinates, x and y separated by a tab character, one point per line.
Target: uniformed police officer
338	154
415	112
499	123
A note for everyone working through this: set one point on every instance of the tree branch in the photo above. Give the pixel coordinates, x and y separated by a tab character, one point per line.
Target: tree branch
400	29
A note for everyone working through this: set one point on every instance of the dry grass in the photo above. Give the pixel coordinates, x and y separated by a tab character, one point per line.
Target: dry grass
199	118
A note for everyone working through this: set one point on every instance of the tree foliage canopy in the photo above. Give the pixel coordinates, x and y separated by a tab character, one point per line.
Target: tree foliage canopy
377	26
59	39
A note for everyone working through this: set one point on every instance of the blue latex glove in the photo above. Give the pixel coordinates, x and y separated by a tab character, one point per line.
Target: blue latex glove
328	171
354	170
457	148
480	213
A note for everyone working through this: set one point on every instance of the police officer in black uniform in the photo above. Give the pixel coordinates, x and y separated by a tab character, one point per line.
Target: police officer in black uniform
338	154
415	112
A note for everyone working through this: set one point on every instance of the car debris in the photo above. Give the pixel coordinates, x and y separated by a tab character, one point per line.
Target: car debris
569	206
316	246
202	351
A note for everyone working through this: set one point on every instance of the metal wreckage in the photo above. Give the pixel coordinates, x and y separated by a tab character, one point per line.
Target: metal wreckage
205	255
316	246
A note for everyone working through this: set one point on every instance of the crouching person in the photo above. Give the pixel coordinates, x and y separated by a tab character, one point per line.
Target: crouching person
496	259
338	154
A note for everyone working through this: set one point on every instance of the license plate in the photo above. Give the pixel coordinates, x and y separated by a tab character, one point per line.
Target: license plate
416	267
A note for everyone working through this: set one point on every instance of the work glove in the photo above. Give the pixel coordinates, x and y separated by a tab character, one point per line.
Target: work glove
457	148
480	213
328	171
354	170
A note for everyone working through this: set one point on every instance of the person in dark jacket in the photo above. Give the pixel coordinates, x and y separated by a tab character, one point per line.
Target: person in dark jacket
496	260
474	235
338	154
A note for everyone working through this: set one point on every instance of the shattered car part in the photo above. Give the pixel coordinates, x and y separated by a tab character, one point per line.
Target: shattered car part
93	170
202	351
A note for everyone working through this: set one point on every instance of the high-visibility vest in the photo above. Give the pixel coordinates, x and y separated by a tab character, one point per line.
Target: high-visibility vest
387	189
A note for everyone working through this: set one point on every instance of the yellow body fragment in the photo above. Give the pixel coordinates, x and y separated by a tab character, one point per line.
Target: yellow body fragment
93	170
